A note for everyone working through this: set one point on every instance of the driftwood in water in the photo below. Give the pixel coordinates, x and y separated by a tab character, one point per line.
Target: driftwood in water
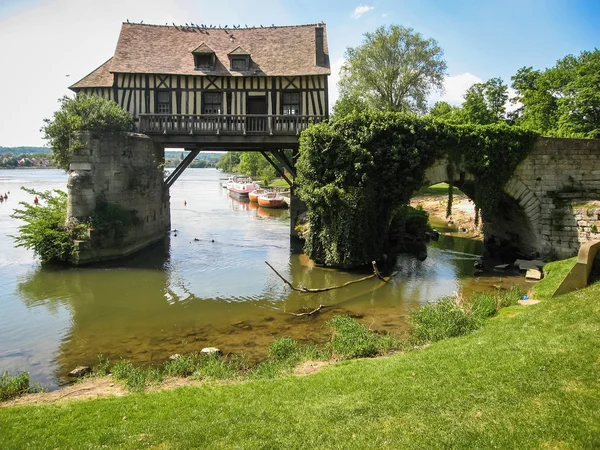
330	288
310	313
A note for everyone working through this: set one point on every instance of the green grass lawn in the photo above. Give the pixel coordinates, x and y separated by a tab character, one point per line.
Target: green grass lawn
437	190
554	273
280	183
527	379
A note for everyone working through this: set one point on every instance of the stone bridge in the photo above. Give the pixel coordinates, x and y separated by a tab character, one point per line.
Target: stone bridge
547	207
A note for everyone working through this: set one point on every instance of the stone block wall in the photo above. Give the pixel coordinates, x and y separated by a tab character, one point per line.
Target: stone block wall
126	170
557	174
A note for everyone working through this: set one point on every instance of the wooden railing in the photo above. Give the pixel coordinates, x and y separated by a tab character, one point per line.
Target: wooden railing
255	124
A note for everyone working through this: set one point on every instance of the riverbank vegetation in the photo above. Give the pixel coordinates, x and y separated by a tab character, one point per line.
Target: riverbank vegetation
526	379
47	232
349	339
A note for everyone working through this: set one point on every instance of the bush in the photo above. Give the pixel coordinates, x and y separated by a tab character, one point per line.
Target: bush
444	319
45	230
353	340
13	385
184	365
215	367
82	113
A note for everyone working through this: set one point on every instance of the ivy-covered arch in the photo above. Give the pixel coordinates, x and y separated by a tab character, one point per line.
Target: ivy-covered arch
355	173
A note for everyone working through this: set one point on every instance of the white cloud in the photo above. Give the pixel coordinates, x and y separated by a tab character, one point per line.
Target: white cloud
455	87
360	10
384	15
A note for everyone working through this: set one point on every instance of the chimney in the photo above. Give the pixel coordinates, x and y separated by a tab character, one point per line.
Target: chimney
319	49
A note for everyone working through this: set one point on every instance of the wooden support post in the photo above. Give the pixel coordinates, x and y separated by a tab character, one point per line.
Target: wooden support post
181	167
276	167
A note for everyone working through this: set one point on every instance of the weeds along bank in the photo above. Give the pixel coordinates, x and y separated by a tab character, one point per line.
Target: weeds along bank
527	379
349	339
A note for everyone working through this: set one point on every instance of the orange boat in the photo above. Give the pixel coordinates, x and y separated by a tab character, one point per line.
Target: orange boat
253	196
271	200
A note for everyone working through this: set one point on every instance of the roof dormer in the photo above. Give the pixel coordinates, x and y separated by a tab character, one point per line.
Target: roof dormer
204	57
239	59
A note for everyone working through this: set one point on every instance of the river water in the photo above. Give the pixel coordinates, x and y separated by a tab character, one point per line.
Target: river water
207	285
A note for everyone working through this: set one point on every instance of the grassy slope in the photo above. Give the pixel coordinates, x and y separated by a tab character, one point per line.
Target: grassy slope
437	190
528	379
554	274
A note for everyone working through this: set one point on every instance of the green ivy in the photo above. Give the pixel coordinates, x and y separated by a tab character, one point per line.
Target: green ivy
353	173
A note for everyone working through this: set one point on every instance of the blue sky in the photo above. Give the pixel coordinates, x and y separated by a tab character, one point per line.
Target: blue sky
43	41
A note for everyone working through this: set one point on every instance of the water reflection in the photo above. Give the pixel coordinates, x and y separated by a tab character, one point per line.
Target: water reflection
207	285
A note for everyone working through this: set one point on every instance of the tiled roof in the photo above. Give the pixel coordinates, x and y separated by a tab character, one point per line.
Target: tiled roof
203	48
101	77
238	51
274	51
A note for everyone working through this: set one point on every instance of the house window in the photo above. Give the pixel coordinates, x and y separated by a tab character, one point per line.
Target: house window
211	103
239	64
163	102
203	61
291	103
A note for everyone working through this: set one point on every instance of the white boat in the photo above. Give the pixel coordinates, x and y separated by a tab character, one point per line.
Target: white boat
271	200
241	186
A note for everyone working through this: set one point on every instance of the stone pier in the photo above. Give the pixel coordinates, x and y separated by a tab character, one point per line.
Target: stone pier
125	170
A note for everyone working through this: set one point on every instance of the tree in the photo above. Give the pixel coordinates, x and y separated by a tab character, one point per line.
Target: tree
563	100
228	161
82	113
446	112
485	102
394	69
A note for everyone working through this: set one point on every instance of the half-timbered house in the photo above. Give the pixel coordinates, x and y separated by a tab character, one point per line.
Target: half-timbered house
196	86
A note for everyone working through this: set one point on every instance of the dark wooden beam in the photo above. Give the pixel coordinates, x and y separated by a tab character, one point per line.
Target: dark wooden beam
181	167
276	167
284	161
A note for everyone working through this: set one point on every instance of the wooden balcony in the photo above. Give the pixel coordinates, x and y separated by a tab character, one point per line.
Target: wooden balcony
226	131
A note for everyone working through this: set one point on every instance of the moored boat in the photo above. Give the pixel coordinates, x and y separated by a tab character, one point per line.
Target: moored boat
241	186
253	196
271	200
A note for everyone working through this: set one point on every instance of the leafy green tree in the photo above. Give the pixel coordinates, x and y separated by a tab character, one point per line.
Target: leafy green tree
394	69
82	113
485	102
45	230
446	112
563	100
228	161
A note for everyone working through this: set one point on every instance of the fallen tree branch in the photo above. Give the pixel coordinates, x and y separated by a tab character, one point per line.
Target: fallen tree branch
314	311
325	289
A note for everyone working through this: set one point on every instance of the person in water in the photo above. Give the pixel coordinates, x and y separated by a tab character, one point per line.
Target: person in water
35	200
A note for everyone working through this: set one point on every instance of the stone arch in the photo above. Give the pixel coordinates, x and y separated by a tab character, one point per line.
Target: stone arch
517	222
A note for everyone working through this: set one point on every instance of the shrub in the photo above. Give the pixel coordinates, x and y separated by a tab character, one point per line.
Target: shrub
13	385
82	113
441	320
45	230
352	339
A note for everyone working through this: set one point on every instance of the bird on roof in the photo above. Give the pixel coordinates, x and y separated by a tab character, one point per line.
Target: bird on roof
261	26
246	25
141	22
174	24
186	24
127	20
225	26
273	25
